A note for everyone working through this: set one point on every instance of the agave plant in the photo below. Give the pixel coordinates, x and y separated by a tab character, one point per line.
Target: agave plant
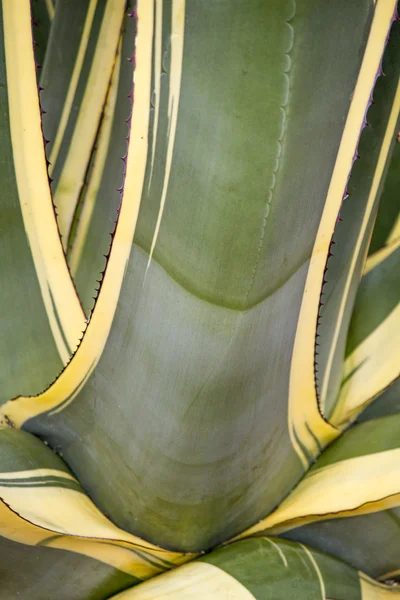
200	284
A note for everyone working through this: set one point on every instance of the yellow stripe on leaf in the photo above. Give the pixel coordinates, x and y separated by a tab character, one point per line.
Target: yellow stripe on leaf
307	428
157	79
370	368
372	590
65	518
316	569
50	9
379	256
197	581
73	84
177	41
349	487
74	168
389	575
376	183
378	369
97	171
395	232
63	308
18	475
67	386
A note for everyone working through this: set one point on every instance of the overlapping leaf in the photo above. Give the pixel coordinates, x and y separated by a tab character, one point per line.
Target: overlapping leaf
374	321
387	403
358	474
261	569
42	504
76	76
202	412
353	231
42	15
38	572
370	543
375	326
100	199
387	226
43	319
190	382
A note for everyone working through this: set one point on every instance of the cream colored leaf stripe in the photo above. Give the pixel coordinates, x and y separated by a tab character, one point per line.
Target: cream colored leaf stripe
38	478
356	390
376	183
380	255
196	581
157	79
308	430
97	170
367	359
177	42
372	590
350	487
203	580
74	167
48	507
66	387
378	358
50	9
62	305
395	232
316	569
73	84
279	551
389	575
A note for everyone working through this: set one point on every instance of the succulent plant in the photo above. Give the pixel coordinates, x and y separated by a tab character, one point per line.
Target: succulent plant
200	285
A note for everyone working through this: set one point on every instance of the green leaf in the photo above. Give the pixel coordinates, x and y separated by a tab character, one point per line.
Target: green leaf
387	226
378	296
41	503
387	403
43	316
40	573
261	569
101	197
375	325
352	234
211	382
76	75
370	542
357	474
42	14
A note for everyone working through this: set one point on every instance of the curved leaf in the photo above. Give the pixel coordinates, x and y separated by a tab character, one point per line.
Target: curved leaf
375	325
387	403
261	569
370	542
41	503
76	75
70	382
101	197
37	572
357	474
44	319
207	338
42	14
387	226
352	234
